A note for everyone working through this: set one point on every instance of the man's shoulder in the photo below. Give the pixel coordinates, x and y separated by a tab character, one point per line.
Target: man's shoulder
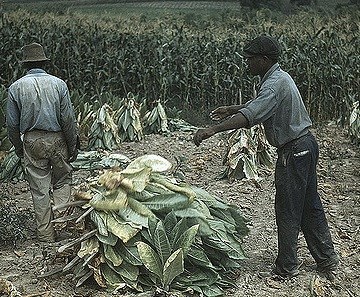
279	77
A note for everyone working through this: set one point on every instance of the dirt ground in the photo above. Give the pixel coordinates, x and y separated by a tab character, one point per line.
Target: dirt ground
339	187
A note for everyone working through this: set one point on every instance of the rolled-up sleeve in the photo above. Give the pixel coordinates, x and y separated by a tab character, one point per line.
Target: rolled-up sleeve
261	108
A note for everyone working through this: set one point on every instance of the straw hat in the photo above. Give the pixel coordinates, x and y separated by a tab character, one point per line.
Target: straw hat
33	52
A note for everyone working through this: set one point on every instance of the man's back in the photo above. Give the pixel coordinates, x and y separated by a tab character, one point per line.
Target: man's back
38	96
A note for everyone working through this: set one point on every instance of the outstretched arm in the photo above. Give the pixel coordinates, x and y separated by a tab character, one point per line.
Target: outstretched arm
237	121
223	112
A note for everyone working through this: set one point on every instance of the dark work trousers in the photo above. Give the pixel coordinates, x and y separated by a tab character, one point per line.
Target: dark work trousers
298	207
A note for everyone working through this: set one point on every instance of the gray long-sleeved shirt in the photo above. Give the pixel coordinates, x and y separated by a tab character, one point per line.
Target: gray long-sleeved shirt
40	101
279	107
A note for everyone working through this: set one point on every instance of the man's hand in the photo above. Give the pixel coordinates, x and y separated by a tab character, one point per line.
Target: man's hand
75	152
202	134
74	155
220	113
19	152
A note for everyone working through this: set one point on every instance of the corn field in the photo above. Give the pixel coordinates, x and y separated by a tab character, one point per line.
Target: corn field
189	65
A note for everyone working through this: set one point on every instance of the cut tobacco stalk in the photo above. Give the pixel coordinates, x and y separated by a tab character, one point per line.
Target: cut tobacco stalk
76	241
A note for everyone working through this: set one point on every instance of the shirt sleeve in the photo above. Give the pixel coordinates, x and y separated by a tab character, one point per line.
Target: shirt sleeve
13	121
261	108
68	121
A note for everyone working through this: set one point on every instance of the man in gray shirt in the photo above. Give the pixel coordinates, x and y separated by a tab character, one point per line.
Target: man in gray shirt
42	127
280	108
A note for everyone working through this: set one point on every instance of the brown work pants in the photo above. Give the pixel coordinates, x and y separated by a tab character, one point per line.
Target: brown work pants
47	170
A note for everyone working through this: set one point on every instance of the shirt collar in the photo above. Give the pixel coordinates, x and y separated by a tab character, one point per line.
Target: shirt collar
274	67
36	70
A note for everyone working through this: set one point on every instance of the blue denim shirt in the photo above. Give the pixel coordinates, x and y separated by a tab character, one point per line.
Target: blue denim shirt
40	101
279	107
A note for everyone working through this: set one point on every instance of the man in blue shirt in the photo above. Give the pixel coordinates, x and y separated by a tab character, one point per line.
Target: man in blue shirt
42	127
280	108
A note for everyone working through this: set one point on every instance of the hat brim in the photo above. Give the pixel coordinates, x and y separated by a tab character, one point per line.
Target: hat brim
249	55
35	60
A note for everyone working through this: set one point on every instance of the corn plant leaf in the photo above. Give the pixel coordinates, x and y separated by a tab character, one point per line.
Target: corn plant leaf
150	259
173	266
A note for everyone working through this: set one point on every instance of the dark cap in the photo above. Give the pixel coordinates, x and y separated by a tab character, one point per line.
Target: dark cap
262	46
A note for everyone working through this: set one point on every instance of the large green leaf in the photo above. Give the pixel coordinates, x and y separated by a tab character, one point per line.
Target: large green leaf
189	212
208	199
112	255
110	239
126	270
241	226
212	291
201	207
99	223
186	239
167	202
121	229
197	256
114	200
170	222
178	230
199	276
161	242
88	247
112	278
221	228
129	253
140	208
154	162
129	214
228	244
150	259
223	214
173	266
204	228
